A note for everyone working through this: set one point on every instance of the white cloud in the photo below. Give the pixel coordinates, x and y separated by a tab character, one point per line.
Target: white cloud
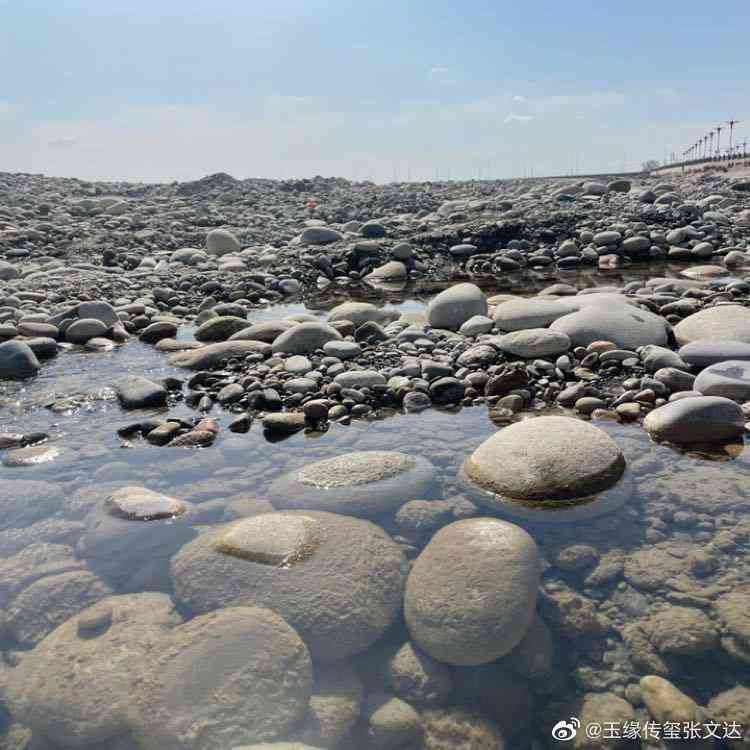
517	118
519	99
439	70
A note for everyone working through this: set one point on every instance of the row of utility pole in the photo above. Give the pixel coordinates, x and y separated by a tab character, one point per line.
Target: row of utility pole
703	149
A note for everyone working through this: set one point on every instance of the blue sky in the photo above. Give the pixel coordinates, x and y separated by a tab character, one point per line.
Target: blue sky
168	90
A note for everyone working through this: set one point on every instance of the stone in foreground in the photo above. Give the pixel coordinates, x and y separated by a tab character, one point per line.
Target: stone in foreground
337	580
471	594
545	460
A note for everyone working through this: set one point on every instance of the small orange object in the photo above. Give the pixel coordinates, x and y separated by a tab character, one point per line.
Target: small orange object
311	204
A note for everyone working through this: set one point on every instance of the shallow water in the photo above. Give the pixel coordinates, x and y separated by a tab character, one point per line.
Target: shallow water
680	500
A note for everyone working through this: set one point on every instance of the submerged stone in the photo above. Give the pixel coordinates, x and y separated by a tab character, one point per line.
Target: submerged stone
364	483
445	616
703	419
337	580
545	460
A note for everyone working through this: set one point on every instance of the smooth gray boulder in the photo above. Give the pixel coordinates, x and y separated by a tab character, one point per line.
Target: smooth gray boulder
454	306
624	325
360	313
305	338
730	379
703	419
704	352
222	242
98	310
476	325
393	270
522	314
25	501
320	236
359	378
719	323
452	728
418	678
7	271
534	342
545	460
101	652
362	483
80	331
342	349
130	666
220	328
337	580
133	528
238	675
594	709
137	392
17	360
267	331
471	594
213	355
665	702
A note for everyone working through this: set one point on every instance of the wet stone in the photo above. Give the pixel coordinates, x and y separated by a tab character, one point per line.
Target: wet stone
340	594
361	483
545	460
264	541
140	504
